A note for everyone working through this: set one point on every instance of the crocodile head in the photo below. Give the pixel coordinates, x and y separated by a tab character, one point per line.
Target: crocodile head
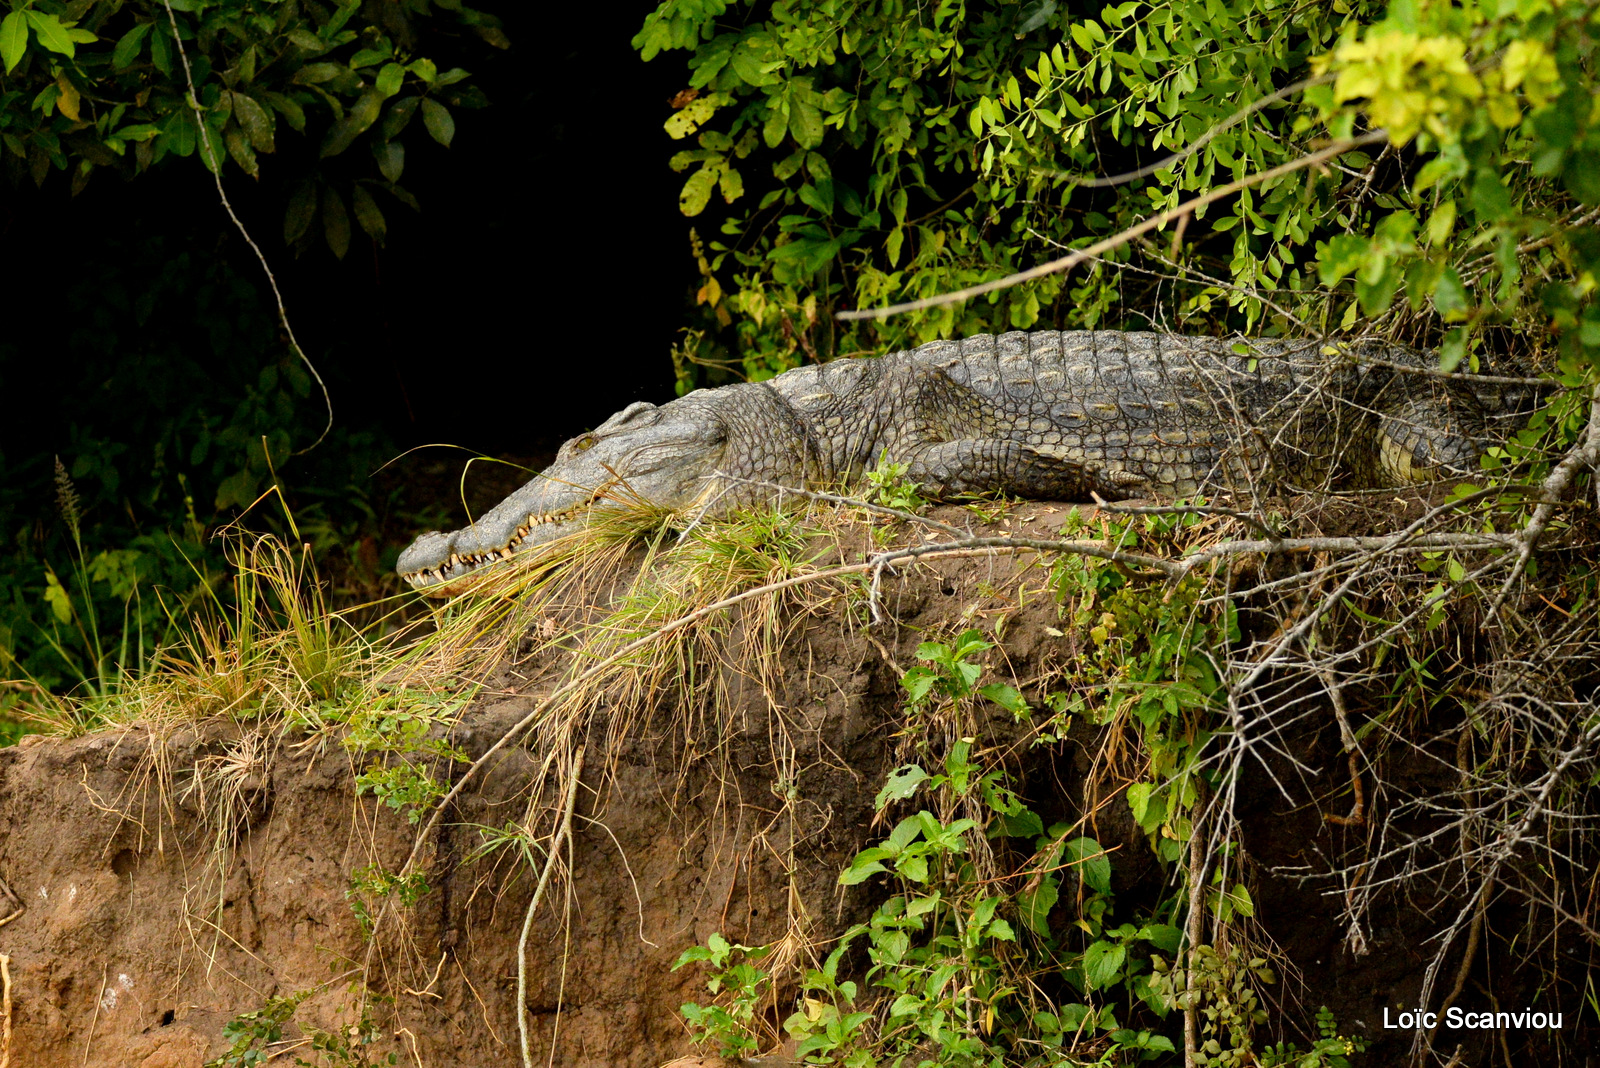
660	455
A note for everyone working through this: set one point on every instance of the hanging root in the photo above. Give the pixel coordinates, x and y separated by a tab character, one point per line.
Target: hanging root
563	832
5	1007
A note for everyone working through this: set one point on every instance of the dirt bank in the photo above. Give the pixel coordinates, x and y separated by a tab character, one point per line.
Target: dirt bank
174	882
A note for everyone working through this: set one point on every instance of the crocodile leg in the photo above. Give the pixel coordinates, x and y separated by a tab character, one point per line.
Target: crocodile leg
978	465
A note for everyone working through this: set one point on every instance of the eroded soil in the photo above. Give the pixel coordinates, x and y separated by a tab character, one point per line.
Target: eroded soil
157	912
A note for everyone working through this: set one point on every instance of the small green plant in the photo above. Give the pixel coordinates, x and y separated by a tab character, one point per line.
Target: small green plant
948	672
887	485
1221	987
396	730
1330	1050
373	883
250	1033
731	1027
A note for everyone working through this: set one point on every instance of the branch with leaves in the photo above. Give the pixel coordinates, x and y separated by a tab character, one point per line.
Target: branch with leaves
98	84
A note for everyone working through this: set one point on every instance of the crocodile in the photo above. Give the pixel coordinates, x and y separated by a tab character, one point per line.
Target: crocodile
1067	415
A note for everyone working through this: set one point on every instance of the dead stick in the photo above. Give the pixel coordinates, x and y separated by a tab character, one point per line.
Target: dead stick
1195	931
5	1006
562	832
88	1043
1352	749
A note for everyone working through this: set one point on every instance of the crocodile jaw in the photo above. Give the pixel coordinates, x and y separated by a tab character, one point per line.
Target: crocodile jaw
439	564
662	456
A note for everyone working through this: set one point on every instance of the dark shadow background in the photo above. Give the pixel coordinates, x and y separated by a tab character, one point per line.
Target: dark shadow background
538	290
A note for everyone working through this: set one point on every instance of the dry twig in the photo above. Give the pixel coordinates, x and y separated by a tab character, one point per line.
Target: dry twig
563	832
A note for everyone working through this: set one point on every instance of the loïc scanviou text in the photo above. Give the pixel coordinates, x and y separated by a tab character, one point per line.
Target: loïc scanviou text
1462	1019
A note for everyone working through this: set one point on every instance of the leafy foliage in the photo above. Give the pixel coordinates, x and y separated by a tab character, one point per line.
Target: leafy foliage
958	965
100	84
873	150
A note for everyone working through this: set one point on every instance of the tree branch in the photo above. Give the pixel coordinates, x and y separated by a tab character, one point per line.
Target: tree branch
1117	240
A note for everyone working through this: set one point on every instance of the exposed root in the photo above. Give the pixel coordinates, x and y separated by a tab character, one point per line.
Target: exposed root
5	1009
17	907
563	832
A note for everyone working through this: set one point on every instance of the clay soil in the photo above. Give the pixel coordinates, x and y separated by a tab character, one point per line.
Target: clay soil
142	937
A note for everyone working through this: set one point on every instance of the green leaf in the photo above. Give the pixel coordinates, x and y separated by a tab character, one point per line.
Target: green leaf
696	193
391	157
805	123
1242	902
1490	197
178	132
1163	936
340	17
255	120
812	197
127	49
399	116
390	79
368	56
913	866
291	111
57	597
368	216
306	41
300	213
1102	963
903	782
1006	697
1450	296
335	222
860	872
689	118
317	73
1034	15
1093	865
238	146
1033	906
50	32
436	117
1582	176
1341	256
363	113
905	832
161	51
13	39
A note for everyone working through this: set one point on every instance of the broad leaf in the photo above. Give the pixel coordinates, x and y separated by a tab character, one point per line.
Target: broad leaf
1033	906
335	222
1102	963
127	49
1091	863
436	117
254	120
903	782
50	32
13	39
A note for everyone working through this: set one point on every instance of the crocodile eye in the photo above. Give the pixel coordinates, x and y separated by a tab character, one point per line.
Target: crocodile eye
584	443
